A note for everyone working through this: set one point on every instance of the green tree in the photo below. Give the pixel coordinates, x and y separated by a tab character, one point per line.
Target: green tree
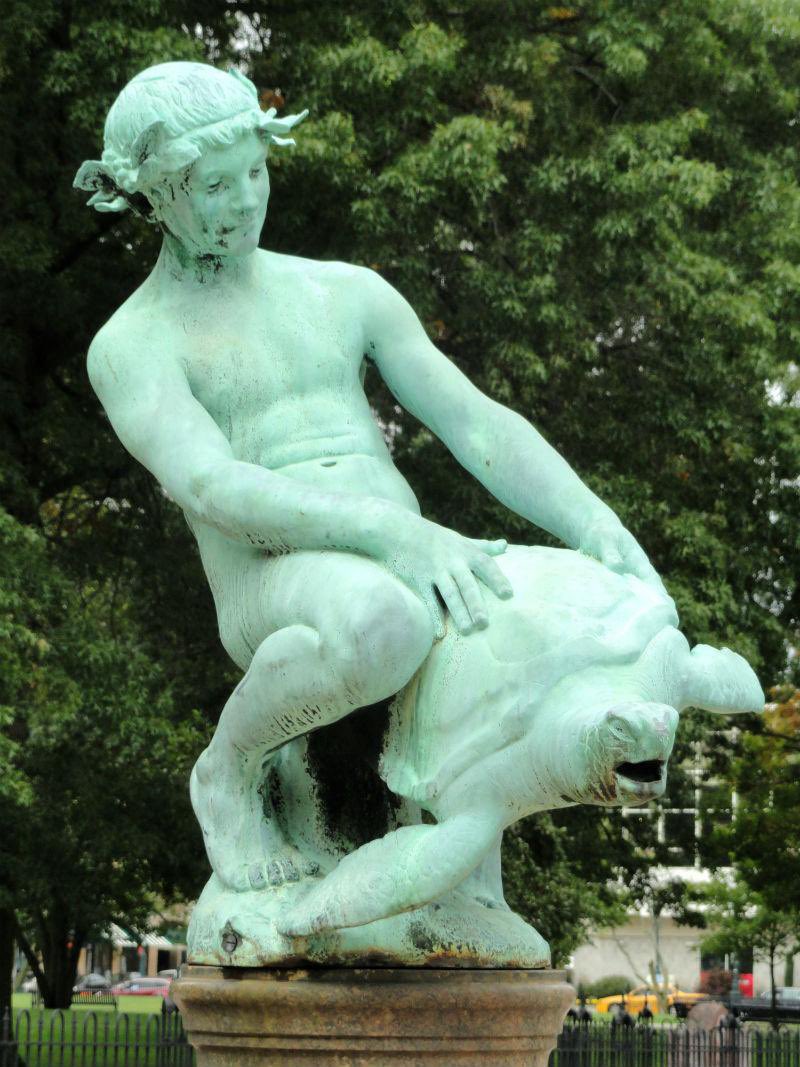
112	642
595	210
760	767
94	813
740	917
764	773
593	207
559	878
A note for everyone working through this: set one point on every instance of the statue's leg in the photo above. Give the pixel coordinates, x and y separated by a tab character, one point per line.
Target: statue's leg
401	871
339	633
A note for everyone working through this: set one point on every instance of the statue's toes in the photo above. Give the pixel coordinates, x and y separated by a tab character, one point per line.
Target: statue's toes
257	876
279	870
282	870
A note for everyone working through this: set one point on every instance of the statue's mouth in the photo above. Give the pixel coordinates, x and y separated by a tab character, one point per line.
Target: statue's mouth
643	772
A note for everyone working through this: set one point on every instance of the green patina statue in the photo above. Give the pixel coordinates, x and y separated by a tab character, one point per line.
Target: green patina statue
408	692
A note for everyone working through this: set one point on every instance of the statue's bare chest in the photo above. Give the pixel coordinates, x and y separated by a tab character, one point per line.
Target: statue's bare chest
247	366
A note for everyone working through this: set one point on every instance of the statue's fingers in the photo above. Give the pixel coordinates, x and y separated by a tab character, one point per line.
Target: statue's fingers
635	561
491	548
455	604
472	596
431	602
491	575
645	570
612	555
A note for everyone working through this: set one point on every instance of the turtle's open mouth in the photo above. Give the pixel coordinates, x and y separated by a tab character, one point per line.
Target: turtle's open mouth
648	770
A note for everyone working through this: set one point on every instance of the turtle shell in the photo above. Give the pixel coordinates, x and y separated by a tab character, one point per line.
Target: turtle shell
474	692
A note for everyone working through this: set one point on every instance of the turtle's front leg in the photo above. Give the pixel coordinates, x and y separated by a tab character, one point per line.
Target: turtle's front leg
405	869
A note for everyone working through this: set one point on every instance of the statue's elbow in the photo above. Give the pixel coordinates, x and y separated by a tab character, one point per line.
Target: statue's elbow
200	494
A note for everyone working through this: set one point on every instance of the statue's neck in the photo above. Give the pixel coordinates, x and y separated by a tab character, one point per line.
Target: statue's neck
177	265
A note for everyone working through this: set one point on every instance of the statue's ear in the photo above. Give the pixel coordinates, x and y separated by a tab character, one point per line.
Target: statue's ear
92	176
101	202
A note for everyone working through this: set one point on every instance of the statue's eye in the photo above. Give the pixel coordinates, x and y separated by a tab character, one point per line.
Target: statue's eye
254	173
215	187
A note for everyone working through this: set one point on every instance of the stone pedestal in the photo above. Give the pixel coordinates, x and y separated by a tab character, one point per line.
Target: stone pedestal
372	1017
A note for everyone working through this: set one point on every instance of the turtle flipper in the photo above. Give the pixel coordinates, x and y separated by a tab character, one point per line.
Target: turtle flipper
405	869
720	680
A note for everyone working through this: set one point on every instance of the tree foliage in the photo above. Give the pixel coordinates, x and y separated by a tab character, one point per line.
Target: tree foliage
96	819
594	208
763	771
741	917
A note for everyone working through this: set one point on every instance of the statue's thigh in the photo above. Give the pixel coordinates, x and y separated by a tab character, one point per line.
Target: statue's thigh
355	605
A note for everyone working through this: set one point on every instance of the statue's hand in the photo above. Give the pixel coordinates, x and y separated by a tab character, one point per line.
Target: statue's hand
607	540
430	559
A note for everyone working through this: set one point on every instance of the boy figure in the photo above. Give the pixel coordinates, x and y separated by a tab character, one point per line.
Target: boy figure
235	376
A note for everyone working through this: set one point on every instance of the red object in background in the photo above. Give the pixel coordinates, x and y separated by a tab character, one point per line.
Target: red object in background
746	985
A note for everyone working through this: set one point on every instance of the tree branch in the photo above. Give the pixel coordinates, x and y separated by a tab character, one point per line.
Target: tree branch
29	953
597	83
68	258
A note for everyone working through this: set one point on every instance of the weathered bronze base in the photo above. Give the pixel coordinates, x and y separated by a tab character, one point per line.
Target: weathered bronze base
371	1017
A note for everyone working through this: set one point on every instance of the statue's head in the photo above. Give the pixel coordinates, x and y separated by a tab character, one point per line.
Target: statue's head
185	146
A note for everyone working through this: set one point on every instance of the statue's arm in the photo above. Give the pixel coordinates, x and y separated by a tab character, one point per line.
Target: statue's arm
498	446
154	413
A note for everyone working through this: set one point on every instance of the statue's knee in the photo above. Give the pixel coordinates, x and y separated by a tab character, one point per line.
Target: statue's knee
203	770
384	637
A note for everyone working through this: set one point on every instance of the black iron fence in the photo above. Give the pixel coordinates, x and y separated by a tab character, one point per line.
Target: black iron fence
94	1039
603	1045
108	1039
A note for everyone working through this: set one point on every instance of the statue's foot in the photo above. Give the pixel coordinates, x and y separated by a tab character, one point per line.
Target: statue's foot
245	845
283	864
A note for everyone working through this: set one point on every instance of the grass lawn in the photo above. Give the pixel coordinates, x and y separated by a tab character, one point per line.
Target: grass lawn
128	1005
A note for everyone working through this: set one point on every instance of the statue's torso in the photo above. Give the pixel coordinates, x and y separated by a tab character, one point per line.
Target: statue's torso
280	368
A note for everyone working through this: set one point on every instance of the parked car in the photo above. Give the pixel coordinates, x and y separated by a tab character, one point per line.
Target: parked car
678	1001
142	987
30	985
91	985
759	1009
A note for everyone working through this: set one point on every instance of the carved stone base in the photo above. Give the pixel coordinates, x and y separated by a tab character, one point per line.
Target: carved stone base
238	930
381	1017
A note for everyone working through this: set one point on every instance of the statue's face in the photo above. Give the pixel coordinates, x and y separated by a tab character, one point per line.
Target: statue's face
218	206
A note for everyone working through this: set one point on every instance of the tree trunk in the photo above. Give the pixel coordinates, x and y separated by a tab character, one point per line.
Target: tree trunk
6	960
773	1011
60	950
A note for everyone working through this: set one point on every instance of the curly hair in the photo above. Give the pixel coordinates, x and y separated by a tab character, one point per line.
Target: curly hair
162	121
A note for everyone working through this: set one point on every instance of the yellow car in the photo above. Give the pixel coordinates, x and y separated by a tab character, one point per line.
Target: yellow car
678	1002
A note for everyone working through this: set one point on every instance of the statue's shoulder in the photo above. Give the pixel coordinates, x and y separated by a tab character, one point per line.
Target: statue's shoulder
331	275
129	335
